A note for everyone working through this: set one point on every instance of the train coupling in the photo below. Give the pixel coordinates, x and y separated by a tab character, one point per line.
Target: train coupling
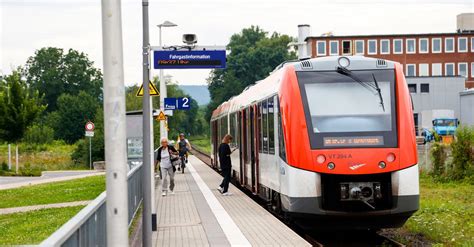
365	192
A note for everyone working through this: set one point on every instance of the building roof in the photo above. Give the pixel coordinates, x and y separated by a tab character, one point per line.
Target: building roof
389	35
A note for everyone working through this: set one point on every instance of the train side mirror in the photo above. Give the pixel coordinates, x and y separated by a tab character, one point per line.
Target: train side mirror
433	122
459	122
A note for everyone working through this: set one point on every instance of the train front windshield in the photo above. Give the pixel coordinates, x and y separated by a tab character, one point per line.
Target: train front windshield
350	108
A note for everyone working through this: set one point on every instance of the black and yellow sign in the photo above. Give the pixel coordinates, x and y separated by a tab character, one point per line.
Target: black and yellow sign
153	90
161	116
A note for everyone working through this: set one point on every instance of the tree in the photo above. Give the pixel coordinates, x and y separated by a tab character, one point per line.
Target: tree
19	107
52	72
253	56
72	114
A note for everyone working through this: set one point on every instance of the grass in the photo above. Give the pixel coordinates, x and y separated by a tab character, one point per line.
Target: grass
46	157
203	143
67	191
33	227
446	215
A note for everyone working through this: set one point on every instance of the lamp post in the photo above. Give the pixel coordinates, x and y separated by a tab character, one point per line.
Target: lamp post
163	93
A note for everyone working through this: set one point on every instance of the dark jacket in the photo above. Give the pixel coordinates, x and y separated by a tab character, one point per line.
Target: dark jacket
158	156
224	156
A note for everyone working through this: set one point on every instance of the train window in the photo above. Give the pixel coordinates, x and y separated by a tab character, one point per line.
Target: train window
340	112
412	88
259	122
271	127
265	126
281	137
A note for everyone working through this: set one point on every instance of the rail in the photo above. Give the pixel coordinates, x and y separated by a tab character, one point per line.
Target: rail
88	227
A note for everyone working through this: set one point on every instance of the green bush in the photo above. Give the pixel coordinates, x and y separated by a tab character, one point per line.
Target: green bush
28	170
438	158
39	134
5	166
462	165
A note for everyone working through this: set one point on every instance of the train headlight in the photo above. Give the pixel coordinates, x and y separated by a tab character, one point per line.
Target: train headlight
320	159
344	62
382	165
331	166
391	157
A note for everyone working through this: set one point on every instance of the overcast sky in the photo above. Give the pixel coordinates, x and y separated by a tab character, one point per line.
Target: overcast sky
27	25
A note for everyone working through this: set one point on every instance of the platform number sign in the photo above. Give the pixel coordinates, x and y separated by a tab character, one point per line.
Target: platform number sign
184	103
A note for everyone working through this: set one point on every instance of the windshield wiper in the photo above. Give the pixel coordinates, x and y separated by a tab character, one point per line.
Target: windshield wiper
379	92
371	87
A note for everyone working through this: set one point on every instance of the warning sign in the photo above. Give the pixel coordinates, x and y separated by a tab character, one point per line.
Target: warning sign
153	90
161	116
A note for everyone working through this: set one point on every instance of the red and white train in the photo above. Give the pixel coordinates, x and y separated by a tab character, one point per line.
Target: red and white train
330	142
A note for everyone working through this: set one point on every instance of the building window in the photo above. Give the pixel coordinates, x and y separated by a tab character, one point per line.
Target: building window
411	70
372	47
359	47
397	46
385	46
449	69
412	88
333	47
436	45
411	46
462	69
424	88
321	48
449	45
346	47
436	69
472	45
462	44
472	70
423	69
423	45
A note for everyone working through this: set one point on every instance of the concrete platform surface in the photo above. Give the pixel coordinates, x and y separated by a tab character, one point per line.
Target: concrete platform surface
198	215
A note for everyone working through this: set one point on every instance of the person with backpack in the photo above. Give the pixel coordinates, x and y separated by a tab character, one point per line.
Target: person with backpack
166	156
226	165
183	147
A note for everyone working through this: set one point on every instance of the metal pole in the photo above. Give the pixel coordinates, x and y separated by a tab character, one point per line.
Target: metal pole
163	130
16	160
146	185
90	152
114	124
9	157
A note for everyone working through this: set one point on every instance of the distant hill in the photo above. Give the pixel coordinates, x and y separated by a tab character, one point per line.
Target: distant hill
200	93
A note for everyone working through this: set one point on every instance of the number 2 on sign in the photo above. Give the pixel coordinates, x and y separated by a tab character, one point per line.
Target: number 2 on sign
185	102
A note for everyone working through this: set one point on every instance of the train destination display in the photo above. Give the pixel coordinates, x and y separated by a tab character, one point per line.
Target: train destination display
353	141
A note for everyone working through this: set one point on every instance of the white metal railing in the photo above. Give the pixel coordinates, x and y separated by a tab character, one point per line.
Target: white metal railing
88	227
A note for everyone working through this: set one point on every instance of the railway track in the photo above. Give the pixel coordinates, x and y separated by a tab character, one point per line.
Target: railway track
327	239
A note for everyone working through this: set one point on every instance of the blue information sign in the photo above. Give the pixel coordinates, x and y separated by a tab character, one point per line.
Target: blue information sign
184	103
189	59
170	103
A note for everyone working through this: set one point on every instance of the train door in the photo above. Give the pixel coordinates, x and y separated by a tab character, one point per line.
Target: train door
248	144
215	144
255	142
243	145
251	143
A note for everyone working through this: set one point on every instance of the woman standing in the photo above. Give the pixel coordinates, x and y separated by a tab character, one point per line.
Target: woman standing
226	165
165	157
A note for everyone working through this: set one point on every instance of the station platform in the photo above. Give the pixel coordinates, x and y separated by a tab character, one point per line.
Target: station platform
198	215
